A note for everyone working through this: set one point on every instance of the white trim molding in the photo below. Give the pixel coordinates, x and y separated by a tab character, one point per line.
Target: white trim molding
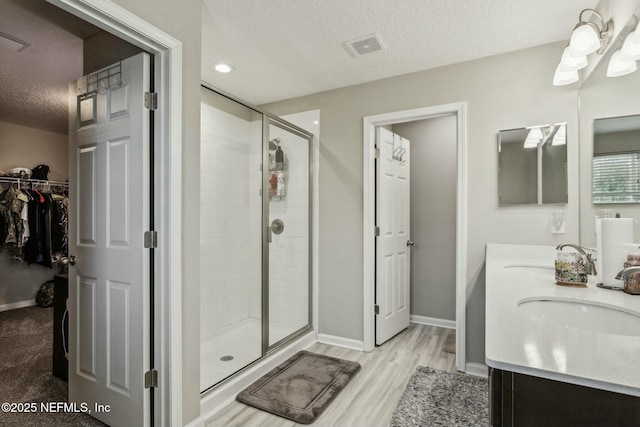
432	321
340	342
167	52
368	194
477	370
18	304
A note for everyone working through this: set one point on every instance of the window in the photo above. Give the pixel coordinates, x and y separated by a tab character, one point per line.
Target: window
616	178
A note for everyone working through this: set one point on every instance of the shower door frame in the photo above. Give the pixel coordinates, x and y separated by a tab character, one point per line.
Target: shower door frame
267	120
270	119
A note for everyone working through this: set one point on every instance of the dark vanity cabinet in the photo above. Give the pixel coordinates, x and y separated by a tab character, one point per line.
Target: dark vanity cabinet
60	326
518	400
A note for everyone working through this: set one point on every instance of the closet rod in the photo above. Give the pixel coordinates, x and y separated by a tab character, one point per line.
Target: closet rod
10	179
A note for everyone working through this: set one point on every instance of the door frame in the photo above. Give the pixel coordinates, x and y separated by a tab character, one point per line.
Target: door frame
167	162
368	220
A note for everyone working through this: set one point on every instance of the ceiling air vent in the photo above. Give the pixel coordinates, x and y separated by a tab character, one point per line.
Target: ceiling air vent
12	43
364	45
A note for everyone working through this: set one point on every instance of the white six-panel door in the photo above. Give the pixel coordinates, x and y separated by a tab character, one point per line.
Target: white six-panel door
392	247
109	285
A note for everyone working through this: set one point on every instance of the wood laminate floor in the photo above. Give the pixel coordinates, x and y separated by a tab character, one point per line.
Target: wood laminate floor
372	395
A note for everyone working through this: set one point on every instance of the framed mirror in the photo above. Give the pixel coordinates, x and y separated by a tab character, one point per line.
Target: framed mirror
607	106
616	160
532	165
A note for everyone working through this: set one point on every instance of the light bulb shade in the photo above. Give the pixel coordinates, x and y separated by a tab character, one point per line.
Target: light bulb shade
631	48
619	67
568	62
560	137
534	137
561	78
585	39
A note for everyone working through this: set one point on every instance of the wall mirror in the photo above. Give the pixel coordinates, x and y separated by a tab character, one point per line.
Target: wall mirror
608	111
532	165
616	160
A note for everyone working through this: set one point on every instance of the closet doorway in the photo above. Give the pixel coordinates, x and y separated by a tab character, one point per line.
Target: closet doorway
104	47
410	125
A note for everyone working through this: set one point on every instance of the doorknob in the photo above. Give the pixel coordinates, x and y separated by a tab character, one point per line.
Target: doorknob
409	242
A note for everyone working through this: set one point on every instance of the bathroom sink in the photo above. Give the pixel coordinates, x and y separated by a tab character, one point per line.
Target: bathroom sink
584	315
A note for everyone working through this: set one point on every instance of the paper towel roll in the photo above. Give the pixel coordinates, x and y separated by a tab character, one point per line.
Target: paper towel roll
612	252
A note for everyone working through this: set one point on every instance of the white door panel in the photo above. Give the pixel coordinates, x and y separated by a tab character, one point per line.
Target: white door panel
392	257
109	321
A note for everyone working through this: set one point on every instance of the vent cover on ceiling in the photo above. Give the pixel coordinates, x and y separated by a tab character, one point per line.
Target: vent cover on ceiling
12	43
364	45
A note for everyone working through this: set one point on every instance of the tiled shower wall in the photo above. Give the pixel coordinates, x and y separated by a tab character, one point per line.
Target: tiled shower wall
230	245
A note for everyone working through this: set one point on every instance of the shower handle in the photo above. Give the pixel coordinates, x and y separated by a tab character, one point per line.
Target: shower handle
276	227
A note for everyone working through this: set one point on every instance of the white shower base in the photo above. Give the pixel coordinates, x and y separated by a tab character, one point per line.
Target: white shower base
242	341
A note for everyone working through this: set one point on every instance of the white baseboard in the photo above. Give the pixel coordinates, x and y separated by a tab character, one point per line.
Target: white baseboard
432	321
198	422
341	342
477	370
221	396
19	304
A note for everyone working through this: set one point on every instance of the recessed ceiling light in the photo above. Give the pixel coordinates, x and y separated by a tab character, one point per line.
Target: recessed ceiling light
224	68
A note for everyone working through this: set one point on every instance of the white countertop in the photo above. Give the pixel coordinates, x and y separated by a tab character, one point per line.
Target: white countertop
534	345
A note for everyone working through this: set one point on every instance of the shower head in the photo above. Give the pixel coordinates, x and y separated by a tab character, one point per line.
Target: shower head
274	143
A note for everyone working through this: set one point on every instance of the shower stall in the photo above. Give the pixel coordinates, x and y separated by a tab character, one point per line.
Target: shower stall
255	208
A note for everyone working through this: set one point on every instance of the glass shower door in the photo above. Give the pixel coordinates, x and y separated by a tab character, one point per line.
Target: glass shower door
231	238
287	301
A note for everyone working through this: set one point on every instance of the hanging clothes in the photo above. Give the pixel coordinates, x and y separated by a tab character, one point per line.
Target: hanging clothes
34	224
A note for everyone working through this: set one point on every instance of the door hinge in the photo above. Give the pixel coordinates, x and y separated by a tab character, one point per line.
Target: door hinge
376	153
151	379
151	239
151	100
377	231
376	309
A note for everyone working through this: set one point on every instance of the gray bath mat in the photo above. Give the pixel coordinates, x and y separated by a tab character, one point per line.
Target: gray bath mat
300	388
438	398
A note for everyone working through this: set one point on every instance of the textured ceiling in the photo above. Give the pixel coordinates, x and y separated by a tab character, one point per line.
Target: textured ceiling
282	48
34	83
287	48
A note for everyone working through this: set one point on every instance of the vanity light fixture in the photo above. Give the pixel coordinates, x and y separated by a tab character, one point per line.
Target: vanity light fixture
623	60
631	47
223	68
561	78
534	137
560	137
586	38
618	66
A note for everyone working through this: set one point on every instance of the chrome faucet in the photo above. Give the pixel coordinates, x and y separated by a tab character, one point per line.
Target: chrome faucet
590	266
570	245
622	274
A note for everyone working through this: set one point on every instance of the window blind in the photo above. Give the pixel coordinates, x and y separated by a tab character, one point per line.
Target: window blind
616	178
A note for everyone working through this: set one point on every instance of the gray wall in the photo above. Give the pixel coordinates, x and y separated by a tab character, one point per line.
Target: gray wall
433	215
502	92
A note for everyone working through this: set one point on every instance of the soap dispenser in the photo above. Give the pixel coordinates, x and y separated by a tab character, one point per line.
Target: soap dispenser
279	158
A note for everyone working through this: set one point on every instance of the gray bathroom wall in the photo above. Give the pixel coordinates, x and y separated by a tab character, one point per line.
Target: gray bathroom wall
433	215
502	92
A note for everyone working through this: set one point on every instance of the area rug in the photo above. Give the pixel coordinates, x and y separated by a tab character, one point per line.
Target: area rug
438	398
301	388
